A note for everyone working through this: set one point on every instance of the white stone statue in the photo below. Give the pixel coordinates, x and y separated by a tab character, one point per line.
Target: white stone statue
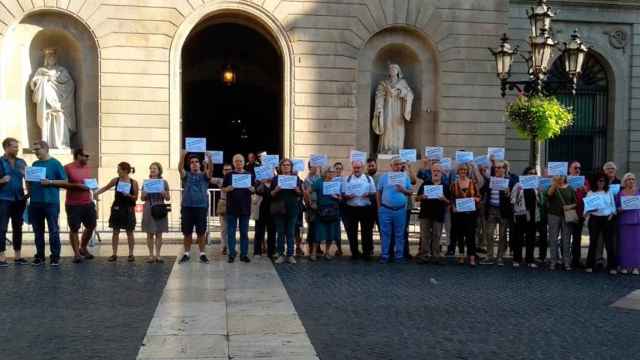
392	108
54	95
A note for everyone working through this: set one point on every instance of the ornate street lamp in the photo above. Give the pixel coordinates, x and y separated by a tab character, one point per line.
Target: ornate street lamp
540	17
574	53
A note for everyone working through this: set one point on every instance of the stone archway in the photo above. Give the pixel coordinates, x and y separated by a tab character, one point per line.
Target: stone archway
250	15
77	51
415	55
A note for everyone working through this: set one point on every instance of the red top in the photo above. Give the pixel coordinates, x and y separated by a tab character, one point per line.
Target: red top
76	175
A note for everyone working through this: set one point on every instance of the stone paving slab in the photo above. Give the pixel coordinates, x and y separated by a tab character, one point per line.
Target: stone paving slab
630	302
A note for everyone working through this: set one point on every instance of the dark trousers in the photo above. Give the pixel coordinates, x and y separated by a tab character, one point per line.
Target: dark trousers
285	229
576	237
524	233
543	239
360	215
600	227
465	233
264	226
38	214
11	210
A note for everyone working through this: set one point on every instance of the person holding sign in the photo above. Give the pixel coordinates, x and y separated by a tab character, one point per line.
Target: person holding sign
434	204
562	216
79	205
12	200
264	224
357	189
524	198
45	203
611	170
155	219
393	189
465	222
311	204
123	215
328	216
628	227
285	209
238	185
195	203
498	212
601	223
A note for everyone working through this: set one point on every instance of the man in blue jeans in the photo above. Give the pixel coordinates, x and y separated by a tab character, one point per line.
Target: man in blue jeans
238	209
393	189
12	201
45	203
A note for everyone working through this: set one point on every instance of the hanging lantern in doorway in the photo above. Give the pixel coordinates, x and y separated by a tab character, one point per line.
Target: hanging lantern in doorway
229	76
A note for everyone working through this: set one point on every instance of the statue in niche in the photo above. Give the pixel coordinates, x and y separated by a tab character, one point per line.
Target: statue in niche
54	95
392	108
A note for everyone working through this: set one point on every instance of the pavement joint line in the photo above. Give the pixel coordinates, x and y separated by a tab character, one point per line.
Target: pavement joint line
167	336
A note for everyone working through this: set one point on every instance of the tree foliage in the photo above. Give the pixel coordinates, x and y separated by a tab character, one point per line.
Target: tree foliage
539	117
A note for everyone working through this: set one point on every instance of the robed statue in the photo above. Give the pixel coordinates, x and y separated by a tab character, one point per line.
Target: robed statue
392	108
54	95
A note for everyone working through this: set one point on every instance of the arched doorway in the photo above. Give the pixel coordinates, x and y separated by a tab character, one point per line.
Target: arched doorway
245	114
586	139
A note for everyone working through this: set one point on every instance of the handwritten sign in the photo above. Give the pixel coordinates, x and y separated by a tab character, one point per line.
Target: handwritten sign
630	202
360	156
271	160
153	186
593	202
196	145
409	155
318	160
575	181
497	183
463	157
397	178
35	173
217	157
465	205
92	184
482	160
558	168
545	183
433	191
529	182
331	188
241	181
445	163
288	182
496	152
123	187
614	188
356	188
434	152
298	165
263	173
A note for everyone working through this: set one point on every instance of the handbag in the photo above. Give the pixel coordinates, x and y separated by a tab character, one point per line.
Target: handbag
329	213
277	207
160	211
570	213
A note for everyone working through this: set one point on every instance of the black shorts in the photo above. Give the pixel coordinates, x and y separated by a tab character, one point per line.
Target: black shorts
194	217
78	215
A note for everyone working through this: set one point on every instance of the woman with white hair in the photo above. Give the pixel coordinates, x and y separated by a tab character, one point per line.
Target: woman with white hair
328	218
611	170
628	228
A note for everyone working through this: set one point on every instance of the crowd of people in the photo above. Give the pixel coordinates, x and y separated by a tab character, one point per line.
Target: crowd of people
477	217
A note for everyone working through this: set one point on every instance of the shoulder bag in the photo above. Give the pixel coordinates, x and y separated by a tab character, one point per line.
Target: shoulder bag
570	213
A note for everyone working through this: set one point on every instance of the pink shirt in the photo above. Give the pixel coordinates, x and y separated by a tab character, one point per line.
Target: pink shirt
76	175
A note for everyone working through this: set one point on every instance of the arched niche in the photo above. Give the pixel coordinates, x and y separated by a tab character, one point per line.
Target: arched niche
413	52
22	55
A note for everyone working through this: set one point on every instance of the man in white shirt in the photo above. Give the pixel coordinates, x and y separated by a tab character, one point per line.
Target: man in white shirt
357	189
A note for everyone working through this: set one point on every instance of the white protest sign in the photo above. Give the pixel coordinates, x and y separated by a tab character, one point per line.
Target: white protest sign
196	145
433	191
630	202
397	178
558	168
123	187
434	152
153	186
496	152
288	182
317	160
241	181
465	205
92	183
298	165
217	157
35	173
263	173
497	183
529	181
331	188
593	202
358	156
409	155
463	157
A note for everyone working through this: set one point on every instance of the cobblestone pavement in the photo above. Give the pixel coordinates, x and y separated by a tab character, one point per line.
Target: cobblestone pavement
95	310
370	311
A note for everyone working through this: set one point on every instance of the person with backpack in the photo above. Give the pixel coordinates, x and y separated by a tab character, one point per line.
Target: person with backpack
357	189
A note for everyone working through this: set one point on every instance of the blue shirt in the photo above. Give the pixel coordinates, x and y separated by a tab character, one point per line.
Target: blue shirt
12	190
48	194
391	197
195	190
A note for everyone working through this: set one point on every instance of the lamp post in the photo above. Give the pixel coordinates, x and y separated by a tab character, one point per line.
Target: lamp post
538	62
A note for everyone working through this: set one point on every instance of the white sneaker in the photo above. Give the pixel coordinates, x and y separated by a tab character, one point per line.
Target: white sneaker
613	272
635	271
515	264
533	265
291	260
624	271
280	260
588	270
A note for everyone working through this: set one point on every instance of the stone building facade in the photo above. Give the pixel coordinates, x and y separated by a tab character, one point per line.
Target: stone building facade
128	56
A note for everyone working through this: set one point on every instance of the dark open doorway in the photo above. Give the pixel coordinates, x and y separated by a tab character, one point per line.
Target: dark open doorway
242	117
